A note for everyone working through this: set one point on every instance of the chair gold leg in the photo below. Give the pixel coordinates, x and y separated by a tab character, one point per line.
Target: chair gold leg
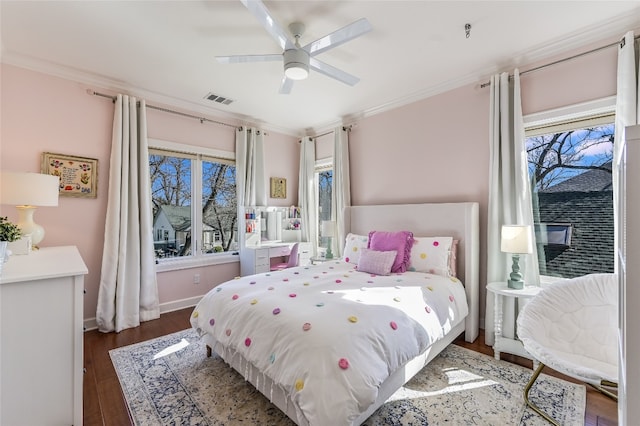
531	404
604	391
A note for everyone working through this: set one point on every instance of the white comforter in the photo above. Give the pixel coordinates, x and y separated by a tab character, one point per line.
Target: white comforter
328	334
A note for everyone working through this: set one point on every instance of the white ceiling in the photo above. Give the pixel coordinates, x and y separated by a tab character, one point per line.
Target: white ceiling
164	50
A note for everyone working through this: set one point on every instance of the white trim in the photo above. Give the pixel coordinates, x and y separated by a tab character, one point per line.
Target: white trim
324	164
188	262
176	305
190	149
572	112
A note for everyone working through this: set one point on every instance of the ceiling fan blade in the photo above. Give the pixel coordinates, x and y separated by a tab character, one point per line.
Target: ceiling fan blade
237	59
338	37
333	72
285	86
260	11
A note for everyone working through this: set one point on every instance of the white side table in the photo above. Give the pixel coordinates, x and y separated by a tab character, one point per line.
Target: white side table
500	291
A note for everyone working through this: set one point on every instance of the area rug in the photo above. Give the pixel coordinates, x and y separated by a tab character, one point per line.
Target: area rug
170	381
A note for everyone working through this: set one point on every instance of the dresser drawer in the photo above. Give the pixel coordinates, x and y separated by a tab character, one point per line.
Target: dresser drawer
262	258
262	269
279	251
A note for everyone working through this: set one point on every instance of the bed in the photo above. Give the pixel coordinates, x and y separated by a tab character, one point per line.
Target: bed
329	343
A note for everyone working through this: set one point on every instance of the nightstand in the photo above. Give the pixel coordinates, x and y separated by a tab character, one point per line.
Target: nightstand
500	291
316	260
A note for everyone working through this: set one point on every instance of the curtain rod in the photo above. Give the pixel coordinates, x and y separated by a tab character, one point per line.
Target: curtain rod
597	49
183	114
345	128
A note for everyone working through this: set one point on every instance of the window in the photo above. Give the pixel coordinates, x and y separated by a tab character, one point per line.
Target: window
194	203
324	177
570	169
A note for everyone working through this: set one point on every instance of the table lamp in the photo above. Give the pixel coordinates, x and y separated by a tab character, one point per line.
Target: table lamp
328	230
516	239
27	191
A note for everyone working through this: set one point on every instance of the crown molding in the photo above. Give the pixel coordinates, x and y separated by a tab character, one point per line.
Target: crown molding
99	83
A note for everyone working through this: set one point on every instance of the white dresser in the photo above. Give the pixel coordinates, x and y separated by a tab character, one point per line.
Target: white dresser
41	338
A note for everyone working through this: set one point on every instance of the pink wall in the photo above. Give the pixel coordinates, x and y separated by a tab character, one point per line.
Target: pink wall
41	113
434	150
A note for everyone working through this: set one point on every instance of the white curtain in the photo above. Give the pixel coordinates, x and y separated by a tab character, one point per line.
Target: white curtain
509	192
307	192
627	110
128	291
251	187
341	192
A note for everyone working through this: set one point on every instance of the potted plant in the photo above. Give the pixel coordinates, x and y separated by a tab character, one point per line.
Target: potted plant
9	232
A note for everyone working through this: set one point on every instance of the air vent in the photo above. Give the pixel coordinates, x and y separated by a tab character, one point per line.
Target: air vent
218	99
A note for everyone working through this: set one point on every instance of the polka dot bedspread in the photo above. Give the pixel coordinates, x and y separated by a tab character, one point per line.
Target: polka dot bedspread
328	334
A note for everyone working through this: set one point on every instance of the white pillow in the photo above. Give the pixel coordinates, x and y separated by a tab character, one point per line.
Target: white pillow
353	244
432	255
376	262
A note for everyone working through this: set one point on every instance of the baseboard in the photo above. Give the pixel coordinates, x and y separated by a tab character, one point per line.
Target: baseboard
175	305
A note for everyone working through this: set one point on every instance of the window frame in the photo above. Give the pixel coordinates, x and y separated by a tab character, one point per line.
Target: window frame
197	154
553	119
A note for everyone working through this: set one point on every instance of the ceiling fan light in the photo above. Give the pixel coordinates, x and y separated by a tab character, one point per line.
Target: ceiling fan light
296	64
296	71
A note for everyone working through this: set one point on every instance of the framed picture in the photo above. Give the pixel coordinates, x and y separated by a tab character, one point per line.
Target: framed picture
78	175
278	187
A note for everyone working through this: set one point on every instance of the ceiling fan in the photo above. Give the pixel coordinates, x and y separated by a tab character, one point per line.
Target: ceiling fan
298	59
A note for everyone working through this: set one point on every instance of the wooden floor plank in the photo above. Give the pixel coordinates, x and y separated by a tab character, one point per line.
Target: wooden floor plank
105	405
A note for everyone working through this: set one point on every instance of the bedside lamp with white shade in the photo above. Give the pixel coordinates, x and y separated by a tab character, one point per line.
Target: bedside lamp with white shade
516	239
27	191
328	230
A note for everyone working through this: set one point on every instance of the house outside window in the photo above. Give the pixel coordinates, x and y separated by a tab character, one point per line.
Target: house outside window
194	202
569	162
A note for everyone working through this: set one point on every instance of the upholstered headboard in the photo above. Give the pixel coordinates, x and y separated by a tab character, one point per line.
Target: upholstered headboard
458	220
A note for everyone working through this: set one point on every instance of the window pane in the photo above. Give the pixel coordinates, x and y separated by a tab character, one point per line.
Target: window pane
219	207
171	198
325	181
573	200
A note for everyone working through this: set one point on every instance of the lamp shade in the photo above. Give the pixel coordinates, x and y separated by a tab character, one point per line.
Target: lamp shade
28	189
516	239
328	228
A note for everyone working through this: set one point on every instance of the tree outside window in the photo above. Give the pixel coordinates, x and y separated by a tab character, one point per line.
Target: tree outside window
174	191
571	177
325	185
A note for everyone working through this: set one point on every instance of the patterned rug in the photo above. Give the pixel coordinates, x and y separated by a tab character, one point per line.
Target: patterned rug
170	381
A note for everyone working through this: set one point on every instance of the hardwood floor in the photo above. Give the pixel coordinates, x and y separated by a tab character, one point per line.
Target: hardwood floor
104	403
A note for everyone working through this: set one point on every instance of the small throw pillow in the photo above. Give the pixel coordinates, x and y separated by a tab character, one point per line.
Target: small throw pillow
353	244
432	255
376	262
400	241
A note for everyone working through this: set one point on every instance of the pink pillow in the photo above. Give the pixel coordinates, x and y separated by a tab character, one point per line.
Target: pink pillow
376	262
400	241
